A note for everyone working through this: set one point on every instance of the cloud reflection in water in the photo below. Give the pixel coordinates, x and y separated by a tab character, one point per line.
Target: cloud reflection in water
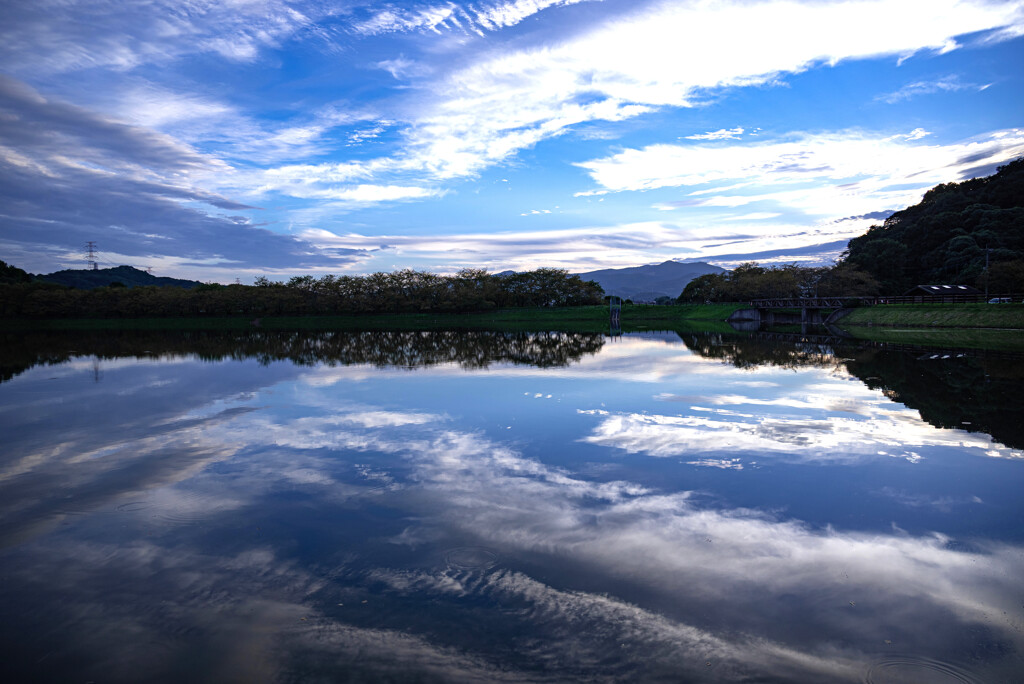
335	493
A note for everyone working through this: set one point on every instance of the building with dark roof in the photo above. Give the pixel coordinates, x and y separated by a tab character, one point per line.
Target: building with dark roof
940	290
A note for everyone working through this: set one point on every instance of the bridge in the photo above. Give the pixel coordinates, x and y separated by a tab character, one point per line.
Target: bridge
780	309
775	310
810	302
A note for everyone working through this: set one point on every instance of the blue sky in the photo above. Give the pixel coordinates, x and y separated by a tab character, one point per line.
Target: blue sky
223	140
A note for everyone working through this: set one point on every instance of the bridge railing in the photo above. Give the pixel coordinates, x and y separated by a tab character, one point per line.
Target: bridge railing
807	302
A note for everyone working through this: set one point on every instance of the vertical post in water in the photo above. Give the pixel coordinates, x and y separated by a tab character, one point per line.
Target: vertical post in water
615	309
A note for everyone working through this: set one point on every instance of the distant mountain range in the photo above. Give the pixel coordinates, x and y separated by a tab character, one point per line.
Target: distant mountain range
647	283
128	276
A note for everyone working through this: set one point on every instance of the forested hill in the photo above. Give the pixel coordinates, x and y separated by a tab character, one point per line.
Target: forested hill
126	275
944	238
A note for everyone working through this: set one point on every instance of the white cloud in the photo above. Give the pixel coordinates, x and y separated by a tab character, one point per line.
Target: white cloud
336	182
377	418
756	216
823	419
805	439
375	193
720	134
917	134
667	55
831	174
156	107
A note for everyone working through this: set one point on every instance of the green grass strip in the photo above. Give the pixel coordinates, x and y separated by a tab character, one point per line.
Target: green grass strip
939	315
568	319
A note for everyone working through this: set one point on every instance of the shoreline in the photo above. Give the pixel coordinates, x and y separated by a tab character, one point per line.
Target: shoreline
637	317
570	319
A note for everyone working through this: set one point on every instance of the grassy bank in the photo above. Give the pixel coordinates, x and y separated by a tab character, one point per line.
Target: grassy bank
946	338
939	315
568	319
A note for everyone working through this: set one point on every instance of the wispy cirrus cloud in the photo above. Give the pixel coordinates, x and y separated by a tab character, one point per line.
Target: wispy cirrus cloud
609	246
84	34
203	119
449	16
575	249
947	84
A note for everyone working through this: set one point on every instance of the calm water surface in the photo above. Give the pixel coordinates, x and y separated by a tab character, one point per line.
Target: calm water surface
507	507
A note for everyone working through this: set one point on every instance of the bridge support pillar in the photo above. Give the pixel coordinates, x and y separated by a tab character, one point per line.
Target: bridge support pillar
811	316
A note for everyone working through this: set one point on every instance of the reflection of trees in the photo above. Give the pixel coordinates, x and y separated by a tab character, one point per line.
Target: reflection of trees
750	351
469	349
973	394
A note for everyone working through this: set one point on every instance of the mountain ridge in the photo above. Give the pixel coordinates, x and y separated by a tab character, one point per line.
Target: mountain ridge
648	282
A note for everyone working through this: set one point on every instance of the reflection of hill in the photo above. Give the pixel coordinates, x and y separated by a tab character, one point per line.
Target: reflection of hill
960	391
978	395
469	349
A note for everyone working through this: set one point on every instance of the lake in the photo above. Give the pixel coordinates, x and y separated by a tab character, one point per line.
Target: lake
485	507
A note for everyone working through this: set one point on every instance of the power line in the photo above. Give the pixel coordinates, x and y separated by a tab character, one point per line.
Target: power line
91	256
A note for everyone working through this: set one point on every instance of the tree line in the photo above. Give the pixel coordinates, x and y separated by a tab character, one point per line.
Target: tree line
751	281
405	291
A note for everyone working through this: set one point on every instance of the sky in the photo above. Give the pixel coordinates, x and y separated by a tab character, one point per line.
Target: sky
221	140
